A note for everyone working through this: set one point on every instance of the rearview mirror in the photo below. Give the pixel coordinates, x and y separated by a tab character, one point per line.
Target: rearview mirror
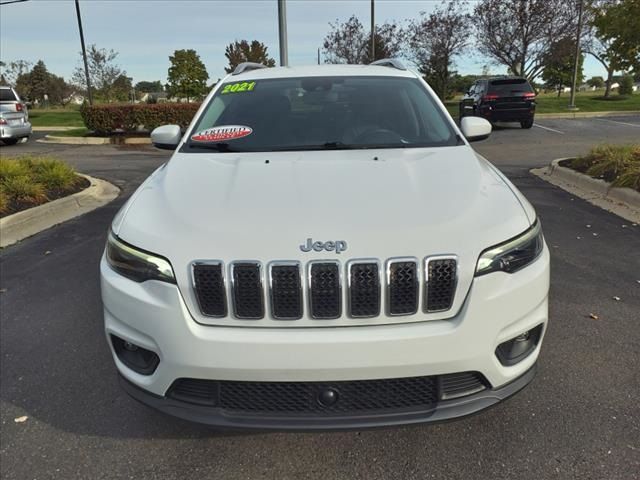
166	137
475	128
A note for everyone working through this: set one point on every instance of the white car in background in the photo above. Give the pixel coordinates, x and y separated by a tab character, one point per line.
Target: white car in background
324	250
14	117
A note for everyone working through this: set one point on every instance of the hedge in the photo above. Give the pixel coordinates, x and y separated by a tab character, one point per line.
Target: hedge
107	119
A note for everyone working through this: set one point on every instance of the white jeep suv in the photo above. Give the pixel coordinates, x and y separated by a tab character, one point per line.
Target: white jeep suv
324	250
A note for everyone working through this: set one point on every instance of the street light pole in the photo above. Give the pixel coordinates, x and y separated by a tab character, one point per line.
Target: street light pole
373	32
84	54
572	101
282	30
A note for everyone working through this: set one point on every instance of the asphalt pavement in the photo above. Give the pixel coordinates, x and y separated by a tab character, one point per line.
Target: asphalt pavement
579	419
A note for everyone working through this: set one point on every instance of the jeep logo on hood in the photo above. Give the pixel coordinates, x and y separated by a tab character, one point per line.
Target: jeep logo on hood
337	246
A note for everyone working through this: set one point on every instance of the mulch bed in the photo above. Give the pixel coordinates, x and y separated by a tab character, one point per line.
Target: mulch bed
15	207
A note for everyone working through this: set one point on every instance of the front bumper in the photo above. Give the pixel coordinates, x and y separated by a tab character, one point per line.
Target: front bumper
216	417
15	131
498	307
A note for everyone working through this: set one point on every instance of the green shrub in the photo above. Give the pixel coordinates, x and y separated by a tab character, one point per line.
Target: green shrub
23	189
126	118
54	175
4	202
626	85
30	180
617	164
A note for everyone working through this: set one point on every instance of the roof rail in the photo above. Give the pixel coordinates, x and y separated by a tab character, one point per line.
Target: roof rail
390	62
246	66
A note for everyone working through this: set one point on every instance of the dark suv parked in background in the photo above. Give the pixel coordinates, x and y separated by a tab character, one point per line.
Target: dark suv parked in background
500	99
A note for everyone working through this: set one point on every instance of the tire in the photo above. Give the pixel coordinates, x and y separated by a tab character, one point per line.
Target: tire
10	141
528	123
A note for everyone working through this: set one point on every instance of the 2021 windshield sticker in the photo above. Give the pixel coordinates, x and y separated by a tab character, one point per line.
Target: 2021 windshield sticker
238	87
222	133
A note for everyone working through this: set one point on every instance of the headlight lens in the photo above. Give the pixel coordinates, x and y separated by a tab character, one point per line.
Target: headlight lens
513	254
135	264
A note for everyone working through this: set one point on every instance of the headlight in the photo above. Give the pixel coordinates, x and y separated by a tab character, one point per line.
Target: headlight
513	254
136	264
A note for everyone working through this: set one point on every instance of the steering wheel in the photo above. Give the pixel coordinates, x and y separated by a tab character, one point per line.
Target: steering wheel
377	135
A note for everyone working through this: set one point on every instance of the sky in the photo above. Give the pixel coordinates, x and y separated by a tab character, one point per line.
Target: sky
146	32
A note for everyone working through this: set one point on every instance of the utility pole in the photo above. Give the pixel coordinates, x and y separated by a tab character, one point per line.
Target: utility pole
373	32
572	101
282	31
318	55
84	54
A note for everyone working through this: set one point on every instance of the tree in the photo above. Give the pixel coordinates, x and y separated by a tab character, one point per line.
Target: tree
40	85
519	33
149	87
434	40
187	75
243	51
103	72
349	42
12	70
615	40
559	64
596	82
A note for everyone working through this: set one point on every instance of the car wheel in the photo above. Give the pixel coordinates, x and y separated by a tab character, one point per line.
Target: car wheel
528	123
10	141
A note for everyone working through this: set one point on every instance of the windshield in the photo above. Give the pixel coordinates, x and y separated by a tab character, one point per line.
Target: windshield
315	113
509	86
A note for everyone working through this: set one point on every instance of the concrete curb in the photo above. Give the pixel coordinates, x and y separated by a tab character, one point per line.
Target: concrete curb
624	202
579	114
23	224
53	129
94	140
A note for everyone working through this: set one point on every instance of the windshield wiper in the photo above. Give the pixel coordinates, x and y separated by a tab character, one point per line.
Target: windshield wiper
219	146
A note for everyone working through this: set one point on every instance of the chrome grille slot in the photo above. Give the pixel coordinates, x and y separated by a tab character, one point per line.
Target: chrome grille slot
248	297
325	290
208	280
364	288
440	283
402	286
286	290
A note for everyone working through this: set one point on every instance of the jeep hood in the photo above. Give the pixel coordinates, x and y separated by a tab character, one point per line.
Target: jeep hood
383	203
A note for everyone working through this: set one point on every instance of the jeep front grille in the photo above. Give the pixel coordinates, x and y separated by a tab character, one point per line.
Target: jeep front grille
286	290
319	283
325	290
440	284
364	289
248	299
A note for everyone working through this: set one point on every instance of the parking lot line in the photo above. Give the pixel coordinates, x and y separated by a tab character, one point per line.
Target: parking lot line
547	128
615	121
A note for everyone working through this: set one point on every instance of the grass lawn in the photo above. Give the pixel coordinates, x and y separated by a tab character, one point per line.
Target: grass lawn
585	101
617	164
31	180
55	118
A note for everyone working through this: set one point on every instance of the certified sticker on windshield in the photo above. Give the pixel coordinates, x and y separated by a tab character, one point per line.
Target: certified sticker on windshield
222	133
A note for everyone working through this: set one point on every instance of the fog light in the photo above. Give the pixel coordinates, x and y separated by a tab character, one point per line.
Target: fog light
518	348
138	359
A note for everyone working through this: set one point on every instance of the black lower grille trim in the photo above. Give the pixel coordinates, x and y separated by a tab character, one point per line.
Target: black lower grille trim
311	398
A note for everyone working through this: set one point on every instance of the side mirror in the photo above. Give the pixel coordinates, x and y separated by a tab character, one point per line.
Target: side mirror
475	128
166	137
